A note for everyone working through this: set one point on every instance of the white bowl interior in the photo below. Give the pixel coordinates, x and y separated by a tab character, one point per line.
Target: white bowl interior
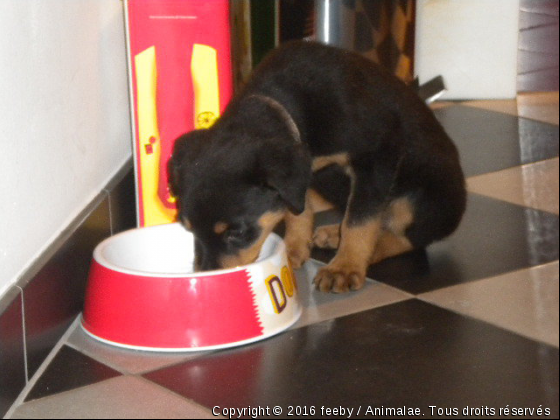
160	250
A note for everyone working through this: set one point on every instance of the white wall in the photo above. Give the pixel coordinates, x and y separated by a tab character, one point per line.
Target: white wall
471	43
64	118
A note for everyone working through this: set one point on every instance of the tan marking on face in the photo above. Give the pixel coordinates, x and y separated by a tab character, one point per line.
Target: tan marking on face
320	162
400	216
267	222
187	223
220	228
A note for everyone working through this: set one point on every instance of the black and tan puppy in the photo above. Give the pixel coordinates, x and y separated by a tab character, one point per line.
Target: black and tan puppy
317	124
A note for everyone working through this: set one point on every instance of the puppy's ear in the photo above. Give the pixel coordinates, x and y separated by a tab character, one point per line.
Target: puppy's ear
286	167
185	150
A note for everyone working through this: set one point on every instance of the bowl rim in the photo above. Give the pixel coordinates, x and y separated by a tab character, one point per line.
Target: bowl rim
101	260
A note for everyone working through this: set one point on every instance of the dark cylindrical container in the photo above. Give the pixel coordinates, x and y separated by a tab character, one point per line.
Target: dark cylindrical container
382	30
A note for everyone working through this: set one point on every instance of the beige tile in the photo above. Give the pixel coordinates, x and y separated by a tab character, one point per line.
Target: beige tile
534	185
540	106
123	360
124	397
318	306
524	301
441	104
508	106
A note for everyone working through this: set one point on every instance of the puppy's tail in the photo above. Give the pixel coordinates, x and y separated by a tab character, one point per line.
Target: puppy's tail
333	184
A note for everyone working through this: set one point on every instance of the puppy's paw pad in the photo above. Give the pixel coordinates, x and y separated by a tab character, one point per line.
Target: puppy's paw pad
330	279
327	236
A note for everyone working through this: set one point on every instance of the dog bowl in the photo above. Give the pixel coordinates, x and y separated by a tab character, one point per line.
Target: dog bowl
143	294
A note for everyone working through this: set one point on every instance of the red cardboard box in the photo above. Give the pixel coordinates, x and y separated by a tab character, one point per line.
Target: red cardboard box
180	79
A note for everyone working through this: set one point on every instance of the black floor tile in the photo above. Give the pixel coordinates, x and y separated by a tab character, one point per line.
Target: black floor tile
408	354
491	141
68	370
12	362
494	238
55	295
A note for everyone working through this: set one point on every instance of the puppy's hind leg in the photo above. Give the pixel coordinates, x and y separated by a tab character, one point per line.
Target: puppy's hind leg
327	236
359	232
371	231
364	243
398	217
390	245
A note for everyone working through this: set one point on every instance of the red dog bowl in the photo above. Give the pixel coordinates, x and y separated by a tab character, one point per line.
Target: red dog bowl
143	294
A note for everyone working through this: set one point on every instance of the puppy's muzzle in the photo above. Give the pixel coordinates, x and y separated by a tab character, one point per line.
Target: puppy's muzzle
203	259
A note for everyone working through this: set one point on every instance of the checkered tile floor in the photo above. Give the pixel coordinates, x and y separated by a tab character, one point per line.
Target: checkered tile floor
470	323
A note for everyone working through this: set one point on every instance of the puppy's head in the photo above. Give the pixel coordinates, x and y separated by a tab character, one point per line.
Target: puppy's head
231	194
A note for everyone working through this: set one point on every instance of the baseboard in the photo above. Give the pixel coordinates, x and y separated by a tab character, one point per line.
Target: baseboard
36	312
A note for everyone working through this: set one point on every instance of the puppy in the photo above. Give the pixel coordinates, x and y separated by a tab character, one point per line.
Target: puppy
317	126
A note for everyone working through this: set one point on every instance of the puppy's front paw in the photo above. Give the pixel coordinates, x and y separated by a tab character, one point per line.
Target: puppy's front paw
298	253
339	279
327	236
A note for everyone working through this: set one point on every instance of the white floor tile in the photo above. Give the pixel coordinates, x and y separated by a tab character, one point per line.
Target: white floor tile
128	361
319	306
525	301
539	106
534	185
119	398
